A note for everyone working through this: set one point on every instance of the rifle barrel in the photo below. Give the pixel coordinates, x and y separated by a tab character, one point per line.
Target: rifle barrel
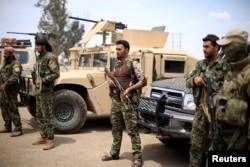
22	33
77	18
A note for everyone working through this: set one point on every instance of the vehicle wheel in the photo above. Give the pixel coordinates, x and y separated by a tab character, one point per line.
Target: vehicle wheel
32	107
69	111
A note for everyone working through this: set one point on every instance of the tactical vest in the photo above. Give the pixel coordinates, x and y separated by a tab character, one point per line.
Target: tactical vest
126	76
123	75
232	102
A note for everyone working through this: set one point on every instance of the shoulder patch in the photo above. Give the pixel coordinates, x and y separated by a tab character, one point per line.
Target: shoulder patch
17	69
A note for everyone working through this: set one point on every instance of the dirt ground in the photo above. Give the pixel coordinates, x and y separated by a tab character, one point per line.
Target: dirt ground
85	148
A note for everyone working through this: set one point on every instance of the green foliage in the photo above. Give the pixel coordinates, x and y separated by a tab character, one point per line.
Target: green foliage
55	20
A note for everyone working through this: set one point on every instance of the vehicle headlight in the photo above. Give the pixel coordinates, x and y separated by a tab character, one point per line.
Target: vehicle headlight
188	103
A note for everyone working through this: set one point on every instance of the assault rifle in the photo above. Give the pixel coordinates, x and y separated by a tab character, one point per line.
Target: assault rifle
6	95
119	88
211	88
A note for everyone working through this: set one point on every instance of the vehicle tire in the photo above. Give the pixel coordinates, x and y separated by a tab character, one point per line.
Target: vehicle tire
69	111
32	106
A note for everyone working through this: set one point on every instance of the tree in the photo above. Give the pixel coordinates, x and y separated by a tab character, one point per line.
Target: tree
54	20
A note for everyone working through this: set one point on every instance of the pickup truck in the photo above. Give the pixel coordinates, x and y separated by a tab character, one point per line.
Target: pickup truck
168	109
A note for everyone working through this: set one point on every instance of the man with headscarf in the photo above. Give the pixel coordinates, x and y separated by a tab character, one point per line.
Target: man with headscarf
10	73
48	72
233	100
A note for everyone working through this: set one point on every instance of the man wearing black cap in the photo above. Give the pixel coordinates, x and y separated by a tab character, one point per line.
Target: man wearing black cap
48	72
10	73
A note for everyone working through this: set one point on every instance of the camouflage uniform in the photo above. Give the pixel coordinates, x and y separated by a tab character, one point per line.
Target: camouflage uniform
200	129
121	111
10	73
233	100
49	72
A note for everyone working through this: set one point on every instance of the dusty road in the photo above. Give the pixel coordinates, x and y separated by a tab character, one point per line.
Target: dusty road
84	149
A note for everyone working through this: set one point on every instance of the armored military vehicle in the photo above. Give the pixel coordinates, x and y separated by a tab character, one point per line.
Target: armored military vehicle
84	88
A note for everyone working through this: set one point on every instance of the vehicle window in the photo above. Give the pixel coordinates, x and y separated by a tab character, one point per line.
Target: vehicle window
112	63
172	66
22	56
85	60
100	59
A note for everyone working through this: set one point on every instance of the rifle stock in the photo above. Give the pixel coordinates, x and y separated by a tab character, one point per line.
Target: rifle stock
211	88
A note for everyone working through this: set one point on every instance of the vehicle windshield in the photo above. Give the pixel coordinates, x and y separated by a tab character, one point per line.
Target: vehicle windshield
99	60
22	57
85	60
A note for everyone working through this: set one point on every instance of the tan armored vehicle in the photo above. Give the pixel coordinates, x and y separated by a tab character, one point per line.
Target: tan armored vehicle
84	87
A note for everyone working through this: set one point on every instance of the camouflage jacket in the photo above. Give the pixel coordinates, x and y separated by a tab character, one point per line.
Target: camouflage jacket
215	71
235	94
49	70
10	73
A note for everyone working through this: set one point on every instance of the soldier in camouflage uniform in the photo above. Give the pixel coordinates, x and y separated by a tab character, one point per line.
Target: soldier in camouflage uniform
48	70
132	79
214	67
10	73
233	100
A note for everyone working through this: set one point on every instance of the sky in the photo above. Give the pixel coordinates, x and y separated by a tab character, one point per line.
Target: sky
187	21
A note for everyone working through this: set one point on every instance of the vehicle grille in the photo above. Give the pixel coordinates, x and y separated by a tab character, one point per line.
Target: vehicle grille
175	98
147	108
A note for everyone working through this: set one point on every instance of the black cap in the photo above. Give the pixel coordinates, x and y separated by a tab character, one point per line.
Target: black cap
44	41
211	37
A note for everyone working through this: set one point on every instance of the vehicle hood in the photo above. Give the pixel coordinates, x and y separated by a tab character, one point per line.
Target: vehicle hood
82	77
174	83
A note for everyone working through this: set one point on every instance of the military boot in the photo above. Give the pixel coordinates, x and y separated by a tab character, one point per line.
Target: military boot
49	144
4	130
16	133
40	140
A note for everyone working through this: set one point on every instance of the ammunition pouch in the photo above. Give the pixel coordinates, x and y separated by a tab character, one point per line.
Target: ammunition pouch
232	111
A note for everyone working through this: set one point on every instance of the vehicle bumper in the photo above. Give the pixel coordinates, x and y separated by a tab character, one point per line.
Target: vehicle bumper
170	124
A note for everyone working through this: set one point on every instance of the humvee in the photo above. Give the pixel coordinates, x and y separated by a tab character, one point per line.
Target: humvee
84	87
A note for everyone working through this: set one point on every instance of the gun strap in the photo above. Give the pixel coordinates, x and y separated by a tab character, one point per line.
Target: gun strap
204	104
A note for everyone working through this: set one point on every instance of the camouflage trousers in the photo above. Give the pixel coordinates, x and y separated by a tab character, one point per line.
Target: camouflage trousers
199	138
10	112
44	115
122	113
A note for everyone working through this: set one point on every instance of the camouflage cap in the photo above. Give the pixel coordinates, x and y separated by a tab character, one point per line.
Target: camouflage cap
235	35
